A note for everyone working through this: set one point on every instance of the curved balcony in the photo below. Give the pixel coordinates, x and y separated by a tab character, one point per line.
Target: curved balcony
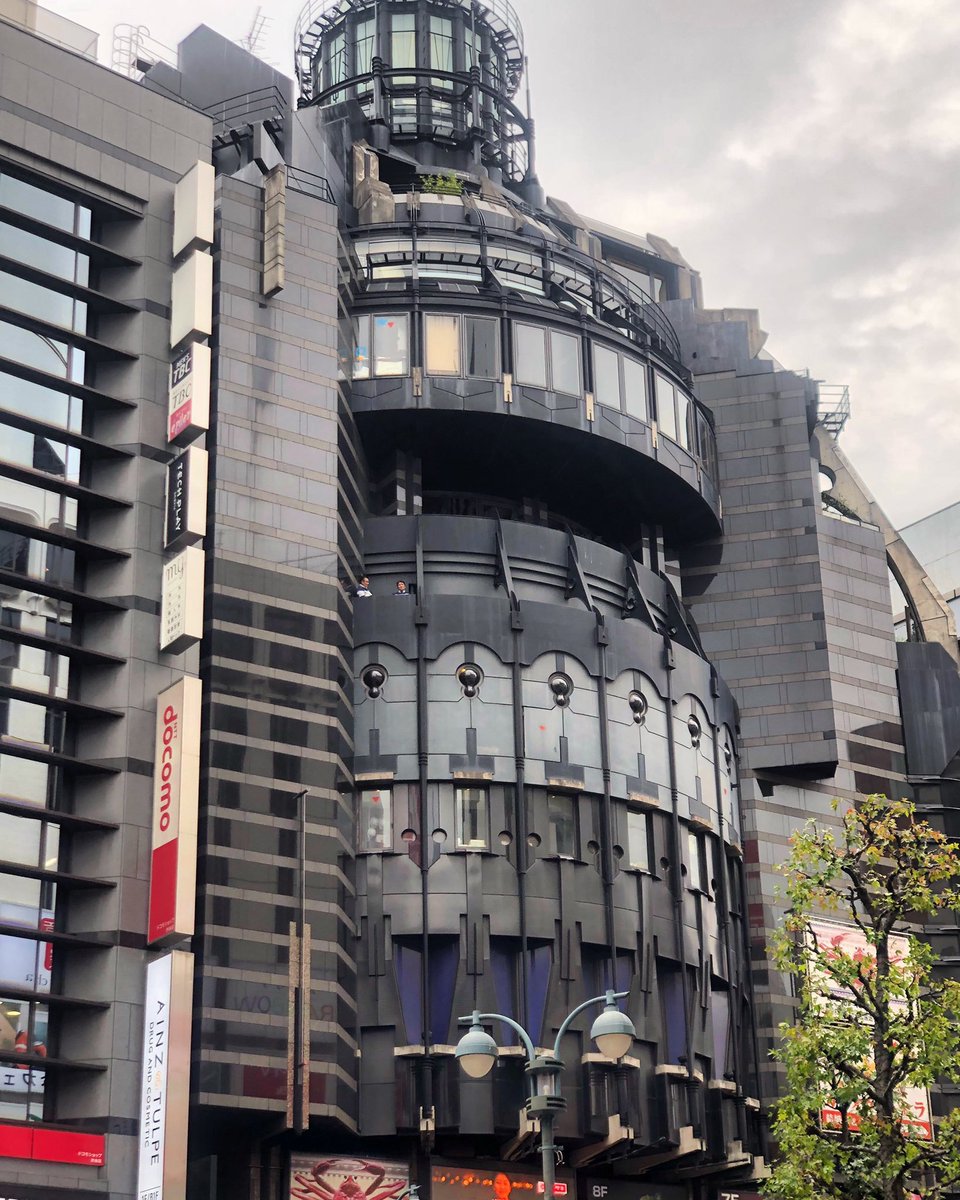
319	18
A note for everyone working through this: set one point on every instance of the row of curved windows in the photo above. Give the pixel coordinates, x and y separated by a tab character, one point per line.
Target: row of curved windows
560	825
468	347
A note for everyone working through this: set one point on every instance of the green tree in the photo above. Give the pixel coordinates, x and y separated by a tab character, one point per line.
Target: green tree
875	1018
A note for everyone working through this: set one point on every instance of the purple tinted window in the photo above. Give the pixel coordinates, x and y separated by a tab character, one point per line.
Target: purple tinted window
407	966
540	959
444	959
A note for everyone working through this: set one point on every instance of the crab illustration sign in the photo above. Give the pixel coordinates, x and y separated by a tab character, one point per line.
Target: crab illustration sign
834	938
314	1178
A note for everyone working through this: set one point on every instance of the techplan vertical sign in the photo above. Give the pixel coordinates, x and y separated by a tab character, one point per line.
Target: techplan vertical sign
186	505
176	791
165	1083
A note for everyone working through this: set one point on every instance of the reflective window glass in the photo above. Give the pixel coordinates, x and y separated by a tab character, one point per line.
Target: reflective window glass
606	377
376	819
42	302
683	426
364	46
21	396
666	415
390	344
562	813
638	841
442	344
41	205
696	872
635	388
472	818
361	349
403	43
565	359
481	344
336	61
531	355
43	254
441	43
40	352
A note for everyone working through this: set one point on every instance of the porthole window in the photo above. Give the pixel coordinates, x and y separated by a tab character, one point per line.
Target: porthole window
469	676
696	731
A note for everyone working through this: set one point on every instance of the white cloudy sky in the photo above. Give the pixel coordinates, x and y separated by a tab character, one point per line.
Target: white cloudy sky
803	154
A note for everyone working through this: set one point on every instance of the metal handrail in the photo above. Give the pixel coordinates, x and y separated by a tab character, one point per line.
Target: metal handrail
647	309
266	103
309	184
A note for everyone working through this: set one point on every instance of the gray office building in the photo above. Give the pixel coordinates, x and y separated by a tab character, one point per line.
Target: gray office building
413	602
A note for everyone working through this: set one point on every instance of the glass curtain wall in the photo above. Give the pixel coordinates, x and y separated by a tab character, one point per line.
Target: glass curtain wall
33	621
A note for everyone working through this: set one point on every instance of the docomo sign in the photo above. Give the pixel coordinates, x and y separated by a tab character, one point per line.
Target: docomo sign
165	1084
176	790
833	938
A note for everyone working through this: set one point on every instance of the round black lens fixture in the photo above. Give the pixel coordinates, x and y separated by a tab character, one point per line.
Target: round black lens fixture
696	730
470	677
373	679
561	685
638	706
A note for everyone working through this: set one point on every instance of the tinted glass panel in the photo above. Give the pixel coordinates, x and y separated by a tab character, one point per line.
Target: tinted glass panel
565	354
665	411
638	843
531	355
606	377
376	819
41	205
481	343
635	389
563	825
683	405
472	820
442	336
390	344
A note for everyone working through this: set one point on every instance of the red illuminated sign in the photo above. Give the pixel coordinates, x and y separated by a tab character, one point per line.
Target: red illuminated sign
559	1189
52	1145
454	1181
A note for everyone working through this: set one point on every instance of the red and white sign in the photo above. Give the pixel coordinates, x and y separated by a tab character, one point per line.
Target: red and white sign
176	791
165	1083
834	939
52	1145
313	1178
188	413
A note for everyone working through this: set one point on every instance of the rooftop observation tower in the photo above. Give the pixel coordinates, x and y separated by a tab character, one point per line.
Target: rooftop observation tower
440	77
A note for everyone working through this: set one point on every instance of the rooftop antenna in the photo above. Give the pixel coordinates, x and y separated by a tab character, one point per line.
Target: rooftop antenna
251	40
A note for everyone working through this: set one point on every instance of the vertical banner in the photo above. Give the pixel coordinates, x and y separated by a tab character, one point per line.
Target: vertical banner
181	601
188	412
176	792
165	1083
186	501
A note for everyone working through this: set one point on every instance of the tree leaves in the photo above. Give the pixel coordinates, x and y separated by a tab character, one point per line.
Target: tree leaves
876	1023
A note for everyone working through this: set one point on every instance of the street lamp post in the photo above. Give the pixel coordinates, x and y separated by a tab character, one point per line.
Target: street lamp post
613	1032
